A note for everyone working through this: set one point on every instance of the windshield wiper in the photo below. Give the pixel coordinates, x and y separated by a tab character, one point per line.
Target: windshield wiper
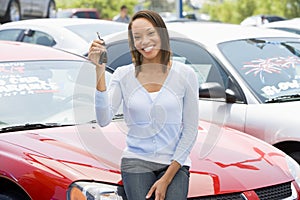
118	116
284	98
31	127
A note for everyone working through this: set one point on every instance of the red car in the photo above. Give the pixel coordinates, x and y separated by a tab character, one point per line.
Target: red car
52	148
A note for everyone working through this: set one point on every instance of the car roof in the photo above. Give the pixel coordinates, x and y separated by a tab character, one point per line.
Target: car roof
21	51
214	33
290	23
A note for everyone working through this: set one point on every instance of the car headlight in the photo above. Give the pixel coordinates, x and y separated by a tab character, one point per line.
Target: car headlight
83	190
294	168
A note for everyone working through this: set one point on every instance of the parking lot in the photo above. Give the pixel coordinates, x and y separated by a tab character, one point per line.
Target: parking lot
53	147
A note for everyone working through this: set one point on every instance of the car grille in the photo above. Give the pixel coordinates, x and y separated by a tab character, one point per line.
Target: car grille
276	192
234	196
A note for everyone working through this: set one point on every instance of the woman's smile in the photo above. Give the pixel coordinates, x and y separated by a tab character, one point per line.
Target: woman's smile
148	49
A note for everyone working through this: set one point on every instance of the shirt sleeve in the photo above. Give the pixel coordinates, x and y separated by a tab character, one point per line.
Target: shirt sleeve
108	102
190	117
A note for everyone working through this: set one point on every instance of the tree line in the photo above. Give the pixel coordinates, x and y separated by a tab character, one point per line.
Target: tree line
234	11
229	11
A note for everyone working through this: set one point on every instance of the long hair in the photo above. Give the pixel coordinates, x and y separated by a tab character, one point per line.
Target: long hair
156	20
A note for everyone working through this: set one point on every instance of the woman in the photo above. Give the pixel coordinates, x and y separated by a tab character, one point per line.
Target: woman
160	104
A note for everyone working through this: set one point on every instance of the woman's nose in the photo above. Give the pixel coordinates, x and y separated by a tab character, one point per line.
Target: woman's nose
145	39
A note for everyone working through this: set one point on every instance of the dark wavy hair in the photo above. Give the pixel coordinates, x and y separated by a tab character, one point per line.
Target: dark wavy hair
156	20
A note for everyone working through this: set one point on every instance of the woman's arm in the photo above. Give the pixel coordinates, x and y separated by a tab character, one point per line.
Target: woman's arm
190	118
107	102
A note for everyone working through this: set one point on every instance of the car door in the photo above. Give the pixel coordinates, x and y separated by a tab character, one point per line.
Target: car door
26	6
38	7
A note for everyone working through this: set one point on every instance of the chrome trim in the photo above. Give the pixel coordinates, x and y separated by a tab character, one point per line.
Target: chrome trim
244	196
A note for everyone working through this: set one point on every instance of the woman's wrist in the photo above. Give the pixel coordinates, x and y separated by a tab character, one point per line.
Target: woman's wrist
100	73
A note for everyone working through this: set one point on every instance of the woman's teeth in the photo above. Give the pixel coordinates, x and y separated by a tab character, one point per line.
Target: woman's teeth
147	49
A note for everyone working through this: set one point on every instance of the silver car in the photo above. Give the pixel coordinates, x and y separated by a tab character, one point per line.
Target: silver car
249	78
15	10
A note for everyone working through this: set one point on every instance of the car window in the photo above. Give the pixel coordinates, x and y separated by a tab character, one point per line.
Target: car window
11	34
271	67
198	59
118	54
80	14
92	15
86	14
38	37
206	67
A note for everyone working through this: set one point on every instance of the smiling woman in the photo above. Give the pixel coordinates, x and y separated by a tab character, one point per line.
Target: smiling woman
158	104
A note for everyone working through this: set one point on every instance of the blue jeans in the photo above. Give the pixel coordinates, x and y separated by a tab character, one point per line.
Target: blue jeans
138	184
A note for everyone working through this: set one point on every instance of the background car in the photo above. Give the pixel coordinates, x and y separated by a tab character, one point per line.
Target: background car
78	13
70	34
249	77
291	25
258	20
51	147
15	10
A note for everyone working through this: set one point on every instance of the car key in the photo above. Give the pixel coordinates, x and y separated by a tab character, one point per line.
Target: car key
103	56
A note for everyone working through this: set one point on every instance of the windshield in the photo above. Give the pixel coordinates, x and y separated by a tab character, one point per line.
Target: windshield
270	67
88	31
59	92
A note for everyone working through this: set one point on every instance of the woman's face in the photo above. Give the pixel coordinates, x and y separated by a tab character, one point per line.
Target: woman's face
146	40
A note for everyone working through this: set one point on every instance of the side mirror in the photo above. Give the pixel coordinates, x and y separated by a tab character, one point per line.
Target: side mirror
211	90
215	90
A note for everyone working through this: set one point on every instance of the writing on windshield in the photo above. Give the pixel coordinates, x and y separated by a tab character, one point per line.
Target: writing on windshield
15	80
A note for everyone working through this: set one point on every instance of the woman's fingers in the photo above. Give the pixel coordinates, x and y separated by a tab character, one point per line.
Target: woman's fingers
95	50
152	189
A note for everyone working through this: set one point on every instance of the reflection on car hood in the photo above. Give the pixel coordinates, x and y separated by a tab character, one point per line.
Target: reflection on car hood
223	160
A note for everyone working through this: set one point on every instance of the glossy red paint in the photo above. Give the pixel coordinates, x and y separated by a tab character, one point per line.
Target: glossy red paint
45	162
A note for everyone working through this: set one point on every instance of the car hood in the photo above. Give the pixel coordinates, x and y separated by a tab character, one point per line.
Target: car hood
223	160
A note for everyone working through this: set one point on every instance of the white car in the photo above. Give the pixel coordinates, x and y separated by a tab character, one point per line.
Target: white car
291	25
70	34
259	20
15	10
249	77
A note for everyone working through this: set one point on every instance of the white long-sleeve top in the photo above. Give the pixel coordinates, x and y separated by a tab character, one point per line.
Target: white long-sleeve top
160	129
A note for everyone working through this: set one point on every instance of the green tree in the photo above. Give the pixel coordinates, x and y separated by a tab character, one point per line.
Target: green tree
234	11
